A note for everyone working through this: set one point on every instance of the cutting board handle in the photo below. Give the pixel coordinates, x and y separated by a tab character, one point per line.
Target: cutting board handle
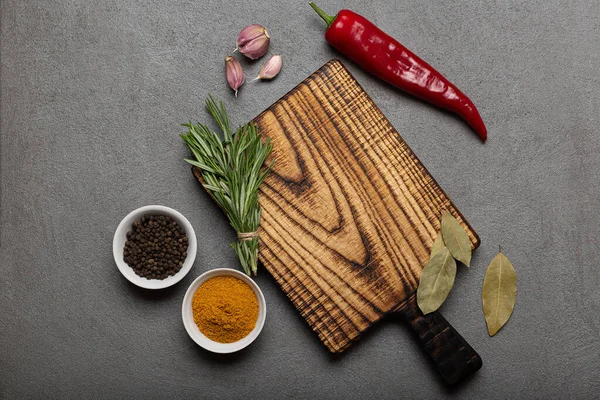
453	357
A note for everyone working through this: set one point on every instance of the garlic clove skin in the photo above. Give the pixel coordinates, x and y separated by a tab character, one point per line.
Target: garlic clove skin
234	73
249	33
253	41
271	68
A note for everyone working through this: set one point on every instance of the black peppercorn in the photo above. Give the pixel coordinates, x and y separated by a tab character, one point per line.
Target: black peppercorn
150	249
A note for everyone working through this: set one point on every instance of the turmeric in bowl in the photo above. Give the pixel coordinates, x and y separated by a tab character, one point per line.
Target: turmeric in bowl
225	309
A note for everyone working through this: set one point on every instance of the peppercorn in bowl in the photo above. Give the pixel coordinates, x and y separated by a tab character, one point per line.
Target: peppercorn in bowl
223	310
154	247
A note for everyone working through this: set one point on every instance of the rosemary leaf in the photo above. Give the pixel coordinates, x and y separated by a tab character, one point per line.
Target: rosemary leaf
232	168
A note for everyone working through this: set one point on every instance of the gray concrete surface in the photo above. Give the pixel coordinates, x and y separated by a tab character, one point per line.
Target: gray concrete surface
93	93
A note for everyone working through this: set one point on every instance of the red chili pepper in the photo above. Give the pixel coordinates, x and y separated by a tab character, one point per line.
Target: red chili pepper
383	56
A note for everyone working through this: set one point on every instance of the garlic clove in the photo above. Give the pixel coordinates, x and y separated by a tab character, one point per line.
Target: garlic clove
271	68
249	33
253	41
234	73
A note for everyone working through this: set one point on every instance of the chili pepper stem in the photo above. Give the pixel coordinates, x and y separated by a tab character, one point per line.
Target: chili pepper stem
326	17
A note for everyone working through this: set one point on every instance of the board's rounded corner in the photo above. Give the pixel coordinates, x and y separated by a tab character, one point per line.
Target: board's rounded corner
477	240
334	61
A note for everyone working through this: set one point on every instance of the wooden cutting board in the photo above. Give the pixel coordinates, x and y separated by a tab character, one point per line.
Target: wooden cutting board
349	215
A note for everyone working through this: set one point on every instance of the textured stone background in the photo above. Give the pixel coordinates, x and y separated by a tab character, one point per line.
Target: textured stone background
92	96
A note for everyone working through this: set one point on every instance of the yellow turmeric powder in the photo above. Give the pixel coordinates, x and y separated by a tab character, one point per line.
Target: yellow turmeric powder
225	309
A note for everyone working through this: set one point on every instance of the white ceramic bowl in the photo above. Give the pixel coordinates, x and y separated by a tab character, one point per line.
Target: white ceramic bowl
192	328
121	237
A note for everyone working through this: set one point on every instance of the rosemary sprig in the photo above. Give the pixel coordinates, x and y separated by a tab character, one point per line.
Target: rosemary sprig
231	166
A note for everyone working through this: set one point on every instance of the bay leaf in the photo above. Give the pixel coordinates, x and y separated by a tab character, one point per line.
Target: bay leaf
456	239
438	244
499	293
436	281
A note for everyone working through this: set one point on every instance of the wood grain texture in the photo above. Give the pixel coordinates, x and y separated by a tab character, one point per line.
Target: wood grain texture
349	212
